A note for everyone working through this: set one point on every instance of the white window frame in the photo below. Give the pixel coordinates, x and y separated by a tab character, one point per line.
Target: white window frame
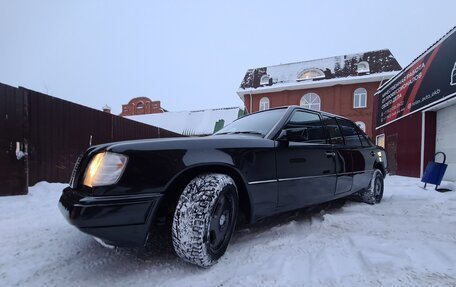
377	139
311	101
264	80
264	104
140	106
363	67
318	74
358	94
361	125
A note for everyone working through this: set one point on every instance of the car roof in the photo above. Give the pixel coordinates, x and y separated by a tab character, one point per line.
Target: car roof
310	110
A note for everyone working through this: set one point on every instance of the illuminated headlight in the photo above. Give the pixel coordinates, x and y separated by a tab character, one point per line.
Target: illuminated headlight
104	169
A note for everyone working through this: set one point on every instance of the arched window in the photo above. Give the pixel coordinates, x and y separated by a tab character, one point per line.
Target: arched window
140	106
363	67
311	101
264	80
264	104
361	125
311	74
360	98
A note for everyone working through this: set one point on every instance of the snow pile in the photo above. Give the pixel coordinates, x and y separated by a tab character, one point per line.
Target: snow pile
407	240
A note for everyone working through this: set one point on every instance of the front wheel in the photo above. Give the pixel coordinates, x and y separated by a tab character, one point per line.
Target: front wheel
205	218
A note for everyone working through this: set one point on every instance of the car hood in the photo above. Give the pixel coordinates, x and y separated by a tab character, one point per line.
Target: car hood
217	141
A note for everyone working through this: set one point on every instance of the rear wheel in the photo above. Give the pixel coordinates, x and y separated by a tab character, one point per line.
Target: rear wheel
374	192
205	218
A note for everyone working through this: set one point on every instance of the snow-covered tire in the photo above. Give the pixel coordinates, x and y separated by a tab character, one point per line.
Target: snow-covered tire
374	192
205	218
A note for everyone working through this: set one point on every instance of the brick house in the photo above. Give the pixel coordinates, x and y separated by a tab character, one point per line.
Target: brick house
141	106
343	85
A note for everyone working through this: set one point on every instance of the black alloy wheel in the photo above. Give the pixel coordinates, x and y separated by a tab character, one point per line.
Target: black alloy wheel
222	222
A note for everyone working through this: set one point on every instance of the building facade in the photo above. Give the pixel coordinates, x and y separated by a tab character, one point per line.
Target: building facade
141	106
343	85
416	111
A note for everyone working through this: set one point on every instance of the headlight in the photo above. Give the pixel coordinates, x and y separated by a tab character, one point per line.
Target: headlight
104	169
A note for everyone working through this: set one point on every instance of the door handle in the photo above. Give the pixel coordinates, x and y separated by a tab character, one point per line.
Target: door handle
330	153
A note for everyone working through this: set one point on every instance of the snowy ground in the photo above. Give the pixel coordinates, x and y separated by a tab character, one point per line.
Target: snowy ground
407	240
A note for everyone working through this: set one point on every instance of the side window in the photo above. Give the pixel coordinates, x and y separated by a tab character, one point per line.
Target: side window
306	127
333	130
363	137
349	132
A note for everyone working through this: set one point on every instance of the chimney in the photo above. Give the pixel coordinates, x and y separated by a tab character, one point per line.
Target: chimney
107	109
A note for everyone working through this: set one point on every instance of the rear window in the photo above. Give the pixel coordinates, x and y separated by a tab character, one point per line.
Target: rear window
333	130
349	133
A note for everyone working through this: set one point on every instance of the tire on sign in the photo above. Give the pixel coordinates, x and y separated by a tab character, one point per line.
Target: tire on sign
205	218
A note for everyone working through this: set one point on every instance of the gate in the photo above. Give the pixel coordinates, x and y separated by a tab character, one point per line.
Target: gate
13	146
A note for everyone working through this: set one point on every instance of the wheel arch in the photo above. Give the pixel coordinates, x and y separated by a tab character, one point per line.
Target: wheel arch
174	189
381	167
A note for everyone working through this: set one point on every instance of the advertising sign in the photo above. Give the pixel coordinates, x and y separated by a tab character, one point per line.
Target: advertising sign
430	78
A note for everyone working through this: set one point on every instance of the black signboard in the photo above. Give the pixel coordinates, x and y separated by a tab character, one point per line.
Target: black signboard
430	78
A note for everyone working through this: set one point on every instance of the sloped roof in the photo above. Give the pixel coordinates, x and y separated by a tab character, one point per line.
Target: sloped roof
336	69
201	122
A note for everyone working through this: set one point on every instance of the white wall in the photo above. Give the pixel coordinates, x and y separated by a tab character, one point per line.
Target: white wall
446	139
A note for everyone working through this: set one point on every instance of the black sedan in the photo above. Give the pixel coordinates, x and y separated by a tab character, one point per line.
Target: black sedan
260	165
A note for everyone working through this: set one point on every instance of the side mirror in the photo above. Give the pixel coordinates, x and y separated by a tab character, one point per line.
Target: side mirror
294	135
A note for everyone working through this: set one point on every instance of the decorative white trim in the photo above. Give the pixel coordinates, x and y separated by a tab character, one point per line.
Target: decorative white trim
363	69
264	104
360	92
264	80
309	97
318	74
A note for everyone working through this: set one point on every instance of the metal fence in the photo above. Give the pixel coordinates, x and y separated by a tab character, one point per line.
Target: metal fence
54	132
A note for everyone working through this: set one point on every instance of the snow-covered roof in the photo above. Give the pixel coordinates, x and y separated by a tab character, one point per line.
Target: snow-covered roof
337	70
200	122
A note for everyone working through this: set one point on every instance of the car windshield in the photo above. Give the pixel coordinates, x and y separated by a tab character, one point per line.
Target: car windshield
258	123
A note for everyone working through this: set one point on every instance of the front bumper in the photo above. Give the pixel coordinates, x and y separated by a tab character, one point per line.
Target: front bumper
117	220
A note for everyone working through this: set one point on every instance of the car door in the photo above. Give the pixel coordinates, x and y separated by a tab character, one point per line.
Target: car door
363	161
343	156
305	162
353	145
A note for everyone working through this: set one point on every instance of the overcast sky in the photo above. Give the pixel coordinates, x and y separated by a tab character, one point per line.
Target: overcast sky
193	54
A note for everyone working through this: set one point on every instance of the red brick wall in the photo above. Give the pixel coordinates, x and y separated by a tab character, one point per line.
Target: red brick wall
336	99
140	106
